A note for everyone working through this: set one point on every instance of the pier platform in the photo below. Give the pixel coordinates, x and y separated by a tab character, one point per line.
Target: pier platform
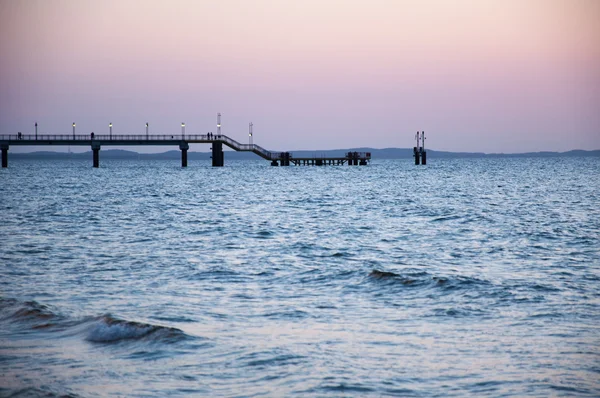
97	141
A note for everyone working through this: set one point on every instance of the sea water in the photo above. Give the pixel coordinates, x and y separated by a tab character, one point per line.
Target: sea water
465	277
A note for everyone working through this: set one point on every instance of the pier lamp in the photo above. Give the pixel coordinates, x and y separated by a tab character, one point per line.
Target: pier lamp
36	130
110	131
73	130
218	125
182	130
147	138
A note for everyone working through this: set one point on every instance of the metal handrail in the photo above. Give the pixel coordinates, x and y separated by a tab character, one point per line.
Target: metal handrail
86	138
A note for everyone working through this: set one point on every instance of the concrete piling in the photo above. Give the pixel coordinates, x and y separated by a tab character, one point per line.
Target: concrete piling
96	155
184	149
217	154
4	156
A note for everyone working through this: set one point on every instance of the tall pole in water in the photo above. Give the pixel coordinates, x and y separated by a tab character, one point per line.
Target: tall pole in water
423	153
36	131
250	133
416	151
73	130
182	130
110	131
147	138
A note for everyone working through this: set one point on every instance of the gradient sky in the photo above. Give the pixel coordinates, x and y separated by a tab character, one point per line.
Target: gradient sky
476	75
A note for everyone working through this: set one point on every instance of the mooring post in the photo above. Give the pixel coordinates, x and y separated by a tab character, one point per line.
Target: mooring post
96	154
184	148
4	155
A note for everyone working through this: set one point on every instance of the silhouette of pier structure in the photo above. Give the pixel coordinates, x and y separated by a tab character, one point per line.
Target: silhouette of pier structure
183	141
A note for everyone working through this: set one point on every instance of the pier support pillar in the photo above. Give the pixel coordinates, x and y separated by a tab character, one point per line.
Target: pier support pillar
96	155
4	156
423	157
274	163
184	148
416	155
217	154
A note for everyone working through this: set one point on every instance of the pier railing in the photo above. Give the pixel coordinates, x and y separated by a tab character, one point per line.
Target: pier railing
260	151
116	139
108	137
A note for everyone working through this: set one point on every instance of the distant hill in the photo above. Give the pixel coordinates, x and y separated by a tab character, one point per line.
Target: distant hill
385	153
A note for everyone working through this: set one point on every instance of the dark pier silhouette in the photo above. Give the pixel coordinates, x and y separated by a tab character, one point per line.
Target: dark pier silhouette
96	142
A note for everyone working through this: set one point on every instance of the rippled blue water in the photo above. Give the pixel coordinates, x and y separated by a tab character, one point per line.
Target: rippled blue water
461	278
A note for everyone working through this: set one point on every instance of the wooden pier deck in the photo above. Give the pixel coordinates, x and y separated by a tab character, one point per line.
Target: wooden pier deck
96	141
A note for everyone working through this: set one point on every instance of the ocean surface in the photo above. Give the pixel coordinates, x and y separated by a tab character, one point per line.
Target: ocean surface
465	277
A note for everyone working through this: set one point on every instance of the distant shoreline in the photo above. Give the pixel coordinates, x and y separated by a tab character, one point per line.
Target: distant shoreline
387	153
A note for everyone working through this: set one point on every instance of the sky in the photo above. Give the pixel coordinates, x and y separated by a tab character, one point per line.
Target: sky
475	75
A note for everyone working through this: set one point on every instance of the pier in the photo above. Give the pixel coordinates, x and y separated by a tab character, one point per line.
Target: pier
183	141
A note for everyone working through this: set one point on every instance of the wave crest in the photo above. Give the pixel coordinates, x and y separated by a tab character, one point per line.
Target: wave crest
414	279
108	329
16	311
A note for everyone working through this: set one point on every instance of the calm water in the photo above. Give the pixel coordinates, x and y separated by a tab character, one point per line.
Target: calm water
460	278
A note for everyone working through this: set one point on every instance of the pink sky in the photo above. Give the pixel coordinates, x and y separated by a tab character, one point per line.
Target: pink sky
476	75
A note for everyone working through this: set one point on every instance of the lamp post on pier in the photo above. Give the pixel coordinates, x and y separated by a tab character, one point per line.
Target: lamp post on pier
36	131
73	130
218	125
110	131
147	138
250	134
182	130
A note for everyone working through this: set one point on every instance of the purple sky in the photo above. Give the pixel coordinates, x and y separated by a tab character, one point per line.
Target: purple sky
476	75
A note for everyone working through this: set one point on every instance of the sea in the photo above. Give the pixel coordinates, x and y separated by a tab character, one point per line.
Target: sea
471	277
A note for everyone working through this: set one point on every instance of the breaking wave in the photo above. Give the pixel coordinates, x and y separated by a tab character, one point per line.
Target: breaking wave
103	329
108	329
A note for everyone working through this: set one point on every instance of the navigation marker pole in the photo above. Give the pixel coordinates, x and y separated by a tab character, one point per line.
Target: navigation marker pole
423	153
416	151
